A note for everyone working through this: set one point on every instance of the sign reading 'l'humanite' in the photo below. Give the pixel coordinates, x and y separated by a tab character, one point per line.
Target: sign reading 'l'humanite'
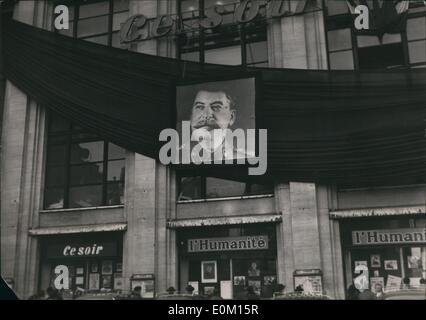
228	244
391	236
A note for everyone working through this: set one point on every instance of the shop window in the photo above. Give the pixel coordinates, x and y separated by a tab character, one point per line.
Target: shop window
416	35
81	169
97	21
227	55
200	187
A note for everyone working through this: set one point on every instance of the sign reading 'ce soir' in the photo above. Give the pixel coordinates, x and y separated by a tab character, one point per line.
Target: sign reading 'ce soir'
391	236
228	244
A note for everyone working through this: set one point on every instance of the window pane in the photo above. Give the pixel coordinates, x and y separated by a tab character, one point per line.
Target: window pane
417	51
115	152
86	174
261	189
54	198
369	41
115	194
56	154
339	39
189	188
228	55
121	5
191	56
386	56
217	188
337	7
257	52
92	26
87	152
118	19
116	170
55	176
189	5
342	60
58	123
88	196
93	9
100	40
116	41
416	28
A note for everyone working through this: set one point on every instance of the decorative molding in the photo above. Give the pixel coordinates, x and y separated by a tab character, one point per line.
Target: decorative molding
78	229
378	212
220	221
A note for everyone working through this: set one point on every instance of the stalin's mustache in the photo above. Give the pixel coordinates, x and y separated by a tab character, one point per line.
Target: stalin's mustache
210	122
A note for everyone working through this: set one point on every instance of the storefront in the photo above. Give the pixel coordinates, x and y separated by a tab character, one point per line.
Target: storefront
94	261
227	260
390	251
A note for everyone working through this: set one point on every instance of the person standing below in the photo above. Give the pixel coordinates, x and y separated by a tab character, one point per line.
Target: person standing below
352	293
380	295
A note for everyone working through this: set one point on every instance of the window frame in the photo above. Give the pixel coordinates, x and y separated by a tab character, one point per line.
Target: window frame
67	165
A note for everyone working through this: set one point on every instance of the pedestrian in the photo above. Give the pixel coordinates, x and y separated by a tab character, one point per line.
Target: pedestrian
171	290
352	293
189	289
380	295
136	293
299	289
53	294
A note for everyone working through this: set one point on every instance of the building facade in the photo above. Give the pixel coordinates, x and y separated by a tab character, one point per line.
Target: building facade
119	219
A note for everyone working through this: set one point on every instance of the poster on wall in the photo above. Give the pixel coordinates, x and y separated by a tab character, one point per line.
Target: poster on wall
375	261
391	265
195	285
414	262
253	269
393	282
226	289
118	281
107	267
239	280
205	110
256	285
360	263
377	280
209	271
310	280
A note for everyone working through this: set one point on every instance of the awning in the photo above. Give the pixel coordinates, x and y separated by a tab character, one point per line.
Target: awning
220	221
378	212
78	229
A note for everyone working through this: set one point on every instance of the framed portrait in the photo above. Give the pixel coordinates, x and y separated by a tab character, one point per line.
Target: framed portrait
256	285
239	280
414	262
203	108
208	291
94	279
106	267
391	264
375	261
107	282
209	271
360	263
79	280
94	267
253	269
269	280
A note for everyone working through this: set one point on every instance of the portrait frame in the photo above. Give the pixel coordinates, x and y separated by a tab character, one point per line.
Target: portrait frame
239	280
107	267
375	261
391	264
209	271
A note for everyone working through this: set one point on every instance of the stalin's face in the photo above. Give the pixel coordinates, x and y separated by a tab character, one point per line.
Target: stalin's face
212	110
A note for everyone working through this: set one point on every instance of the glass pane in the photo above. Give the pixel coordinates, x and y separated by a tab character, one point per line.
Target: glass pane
93	9
56	154
337	7
379	57
339	39
189	5
218	188
341	60
87	152
115	194
118	19
86	174
116	170
58	123
417	51
227	55
55	176
120	5
368	41
416	28
414	261
257	52
191	56
100	40
92	26
115	152
189	188
261	189
88	196
116	41
54	198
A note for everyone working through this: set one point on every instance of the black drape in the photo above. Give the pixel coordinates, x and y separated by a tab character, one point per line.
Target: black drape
331	126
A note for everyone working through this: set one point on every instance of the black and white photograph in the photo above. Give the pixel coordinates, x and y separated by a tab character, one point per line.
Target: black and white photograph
213	149
208	271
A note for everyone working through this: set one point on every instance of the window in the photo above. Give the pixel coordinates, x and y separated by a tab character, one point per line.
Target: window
347	50
202	187
97	21
82	170
228	43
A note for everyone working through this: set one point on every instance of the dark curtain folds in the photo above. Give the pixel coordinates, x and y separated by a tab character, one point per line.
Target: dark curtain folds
334	127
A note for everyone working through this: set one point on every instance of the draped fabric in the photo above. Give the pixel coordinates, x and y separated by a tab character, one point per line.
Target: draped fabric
323	126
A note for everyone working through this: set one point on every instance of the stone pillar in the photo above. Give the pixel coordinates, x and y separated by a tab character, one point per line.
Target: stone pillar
299	41
22	159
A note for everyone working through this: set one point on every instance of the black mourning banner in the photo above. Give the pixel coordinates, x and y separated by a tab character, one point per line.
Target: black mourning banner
323	126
